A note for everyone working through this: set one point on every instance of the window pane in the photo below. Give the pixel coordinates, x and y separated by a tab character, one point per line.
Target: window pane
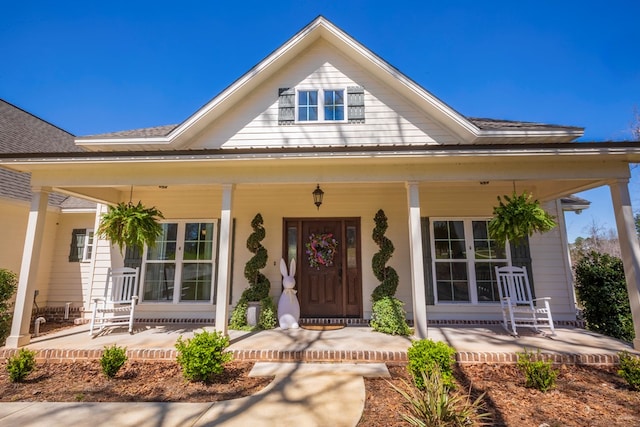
486	282
292	243
351	247
485	247
196	282
452	281
307	105
165	248
159	282
198	241
333	105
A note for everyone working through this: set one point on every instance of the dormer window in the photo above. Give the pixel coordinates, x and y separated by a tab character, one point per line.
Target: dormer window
304	105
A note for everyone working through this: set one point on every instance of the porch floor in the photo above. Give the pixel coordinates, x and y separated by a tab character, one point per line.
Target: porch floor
490	343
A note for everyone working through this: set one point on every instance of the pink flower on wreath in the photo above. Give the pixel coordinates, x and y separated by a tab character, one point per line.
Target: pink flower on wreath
321	248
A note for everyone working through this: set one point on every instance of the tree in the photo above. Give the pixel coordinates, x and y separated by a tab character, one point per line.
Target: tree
635	124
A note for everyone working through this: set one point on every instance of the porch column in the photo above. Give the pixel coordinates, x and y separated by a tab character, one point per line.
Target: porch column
224	261
29	269
628	248
417	268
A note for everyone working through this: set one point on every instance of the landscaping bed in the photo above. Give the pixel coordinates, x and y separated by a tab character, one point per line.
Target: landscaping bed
583	395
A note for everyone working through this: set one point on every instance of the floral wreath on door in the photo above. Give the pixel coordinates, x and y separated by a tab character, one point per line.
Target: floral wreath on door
321	249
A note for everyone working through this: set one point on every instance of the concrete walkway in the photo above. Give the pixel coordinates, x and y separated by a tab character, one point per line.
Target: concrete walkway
301	395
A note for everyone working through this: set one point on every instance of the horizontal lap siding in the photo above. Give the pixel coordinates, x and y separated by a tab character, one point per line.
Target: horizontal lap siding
69	281
390	119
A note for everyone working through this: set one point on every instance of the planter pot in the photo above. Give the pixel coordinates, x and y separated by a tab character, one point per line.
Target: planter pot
253	313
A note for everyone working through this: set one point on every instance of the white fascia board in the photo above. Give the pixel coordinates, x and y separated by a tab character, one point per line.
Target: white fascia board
460	151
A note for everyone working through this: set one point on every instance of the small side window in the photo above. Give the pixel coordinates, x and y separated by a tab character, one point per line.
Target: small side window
81	248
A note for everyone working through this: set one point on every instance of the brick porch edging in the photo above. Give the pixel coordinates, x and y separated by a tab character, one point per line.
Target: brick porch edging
362	356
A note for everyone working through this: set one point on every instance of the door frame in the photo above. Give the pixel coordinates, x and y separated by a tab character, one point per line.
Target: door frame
288	222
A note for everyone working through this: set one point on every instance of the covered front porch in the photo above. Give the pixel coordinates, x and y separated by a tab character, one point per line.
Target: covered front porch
413	187
473	344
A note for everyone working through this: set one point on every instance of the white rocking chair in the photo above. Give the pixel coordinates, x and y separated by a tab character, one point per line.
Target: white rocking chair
117	307
518	308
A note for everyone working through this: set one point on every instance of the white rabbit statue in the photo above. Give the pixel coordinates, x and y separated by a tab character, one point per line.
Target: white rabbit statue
288	306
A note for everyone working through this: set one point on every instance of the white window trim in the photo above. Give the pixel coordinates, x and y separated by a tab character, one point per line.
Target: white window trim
321	91
89	238
179	261
470	260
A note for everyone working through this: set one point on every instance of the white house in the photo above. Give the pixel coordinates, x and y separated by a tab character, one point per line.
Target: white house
324	111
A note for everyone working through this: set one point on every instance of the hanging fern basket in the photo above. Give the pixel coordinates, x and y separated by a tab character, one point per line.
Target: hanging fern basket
131	225
517	217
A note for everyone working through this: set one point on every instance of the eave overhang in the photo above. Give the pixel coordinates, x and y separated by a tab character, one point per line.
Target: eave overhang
628	152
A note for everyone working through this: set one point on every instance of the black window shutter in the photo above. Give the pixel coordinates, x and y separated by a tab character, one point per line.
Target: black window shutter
75	252
355	102
286	106
427	261
521	257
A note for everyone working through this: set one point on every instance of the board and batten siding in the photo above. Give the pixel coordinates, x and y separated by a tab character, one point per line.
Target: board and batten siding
389	118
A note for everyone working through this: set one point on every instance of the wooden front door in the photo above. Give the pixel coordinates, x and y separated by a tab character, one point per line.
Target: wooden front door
332	290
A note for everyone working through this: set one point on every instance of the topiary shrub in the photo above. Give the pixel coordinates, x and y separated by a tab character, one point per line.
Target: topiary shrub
602	292
21	365
8	285
424	355
385	274
259	285
537	373
203	356
113	358
389	317
630	369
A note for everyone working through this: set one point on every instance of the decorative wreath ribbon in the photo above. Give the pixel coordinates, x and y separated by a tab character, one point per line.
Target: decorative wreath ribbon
321	249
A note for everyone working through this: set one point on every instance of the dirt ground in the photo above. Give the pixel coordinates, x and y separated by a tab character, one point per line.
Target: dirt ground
583	396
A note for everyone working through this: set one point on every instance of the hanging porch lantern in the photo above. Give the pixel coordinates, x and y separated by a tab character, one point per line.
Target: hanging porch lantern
318	194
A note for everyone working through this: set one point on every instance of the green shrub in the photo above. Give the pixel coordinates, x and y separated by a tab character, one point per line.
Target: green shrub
387	275
388	316
21	365
8	285
268	318
426	355
238	319
630	369
602	292
113	358
436	405
203	356
538	373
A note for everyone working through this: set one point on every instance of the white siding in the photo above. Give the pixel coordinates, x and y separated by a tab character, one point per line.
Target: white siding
390	119
69	281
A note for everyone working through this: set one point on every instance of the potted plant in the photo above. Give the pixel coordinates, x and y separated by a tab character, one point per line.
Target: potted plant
126	224
517	217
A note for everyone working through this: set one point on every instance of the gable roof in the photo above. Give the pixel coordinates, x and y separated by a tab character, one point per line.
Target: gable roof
468	130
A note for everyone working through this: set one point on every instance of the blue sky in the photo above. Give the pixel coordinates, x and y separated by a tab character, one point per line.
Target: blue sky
94	67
